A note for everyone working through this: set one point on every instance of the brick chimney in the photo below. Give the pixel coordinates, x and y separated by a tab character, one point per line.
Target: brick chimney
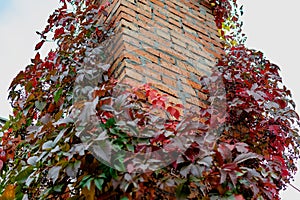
169	44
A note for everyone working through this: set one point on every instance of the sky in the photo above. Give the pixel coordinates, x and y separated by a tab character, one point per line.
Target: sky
271	26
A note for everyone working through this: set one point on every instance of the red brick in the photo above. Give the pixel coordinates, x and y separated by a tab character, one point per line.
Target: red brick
144	11
170	3
175	22
184	38
189	89
147	22
132	57
134	74
145	70
200	52
154	37
176	12
129	81
167	58
175	69
162	69
171	52
159	14
148	56
123	15
163	33
130	25
138	36
163	87
176	41
169	81
189	68
194	5
174	16
181	5
130	40
160	21
151	50
117	67
128	11
196	102
189	30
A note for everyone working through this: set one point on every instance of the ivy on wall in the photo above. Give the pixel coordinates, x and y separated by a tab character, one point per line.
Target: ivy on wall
43	155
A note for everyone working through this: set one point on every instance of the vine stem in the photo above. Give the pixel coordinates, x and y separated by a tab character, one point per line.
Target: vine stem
294	187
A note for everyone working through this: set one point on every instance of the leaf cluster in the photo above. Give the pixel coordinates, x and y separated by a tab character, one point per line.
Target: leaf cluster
73	122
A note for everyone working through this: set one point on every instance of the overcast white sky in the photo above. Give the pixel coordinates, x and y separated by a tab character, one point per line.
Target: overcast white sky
271	26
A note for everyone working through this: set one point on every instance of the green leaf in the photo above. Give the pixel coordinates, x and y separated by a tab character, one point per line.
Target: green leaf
182	192
119	166
40	105
85	178
110	122
58	188
113	173
88	183
130	147
99	182
24	174
57	95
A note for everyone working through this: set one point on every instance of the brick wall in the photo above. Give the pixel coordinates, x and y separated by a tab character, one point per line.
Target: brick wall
167	43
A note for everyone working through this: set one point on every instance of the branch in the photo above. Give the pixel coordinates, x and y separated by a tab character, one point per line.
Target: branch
294	187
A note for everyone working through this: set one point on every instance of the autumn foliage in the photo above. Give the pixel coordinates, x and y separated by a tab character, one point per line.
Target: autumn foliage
246	152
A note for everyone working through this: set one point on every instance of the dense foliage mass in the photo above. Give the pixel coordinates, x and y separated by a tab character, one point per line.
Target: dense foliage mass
251	156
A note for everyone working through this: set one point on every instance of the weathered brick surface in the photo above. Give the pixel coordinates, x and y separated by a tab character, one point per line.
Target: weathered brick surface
169	43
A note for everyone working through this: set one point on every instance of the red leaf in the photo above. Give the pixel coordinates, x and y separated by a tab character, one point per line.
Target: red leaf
59	32
34	82
230	167
281	103
285	173
3	156
159	103
174	112
102	7
225	152
37	58
275	129
51	55
151	93
39	45
179	105
1	164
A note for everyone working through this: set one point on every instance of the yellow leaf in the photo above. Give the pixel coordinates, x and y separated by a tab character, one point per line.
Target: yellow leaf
9	193
233	42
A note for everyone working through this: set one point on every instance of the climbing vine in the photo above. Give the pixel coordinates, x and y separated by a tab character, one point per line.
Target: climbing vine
43	155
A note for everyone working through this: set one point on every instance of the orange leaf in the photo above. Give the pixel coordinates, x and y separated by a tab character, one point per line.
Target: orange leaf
9	193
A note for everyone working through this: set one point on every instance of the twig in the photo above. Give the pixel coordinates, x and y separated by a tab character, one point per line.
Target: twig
294	187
